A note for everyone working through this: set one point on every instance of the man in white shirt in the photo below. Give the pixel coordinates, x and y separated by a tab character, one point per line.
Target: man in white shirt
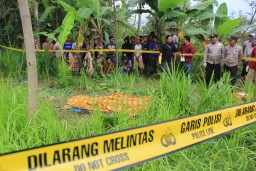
137	60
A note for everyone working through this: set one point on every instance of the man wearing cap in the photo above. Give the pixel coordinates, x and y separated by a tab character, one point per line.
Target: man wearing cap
251	76
233	55
214	53
247	48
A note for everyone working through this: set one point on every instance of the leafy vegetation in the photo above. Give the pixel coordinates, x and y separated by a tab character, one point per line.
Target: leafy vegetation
173	95
54	123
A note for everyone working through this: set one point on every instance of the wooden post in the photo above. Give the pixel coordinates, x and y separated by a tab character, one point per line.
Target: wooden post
31	57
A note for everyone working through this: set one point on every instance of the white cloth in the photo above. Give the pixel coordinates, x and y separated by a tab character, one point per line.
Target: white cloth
204	64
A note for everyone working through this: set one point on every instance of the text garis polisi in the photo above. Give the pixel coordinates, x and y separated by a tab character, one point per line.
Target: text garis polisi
198	123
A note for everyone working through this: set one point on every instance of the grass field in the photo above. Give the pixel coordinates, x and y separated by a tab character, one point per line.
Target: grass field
172	96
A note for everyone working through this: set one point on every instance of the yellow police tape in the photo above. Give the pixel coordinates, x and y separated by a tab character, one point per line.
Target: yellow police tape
122	149
81	51
108	50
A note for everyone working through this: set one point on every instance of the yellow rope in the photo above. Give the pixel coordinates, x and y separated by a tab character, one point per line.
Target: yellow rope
109	50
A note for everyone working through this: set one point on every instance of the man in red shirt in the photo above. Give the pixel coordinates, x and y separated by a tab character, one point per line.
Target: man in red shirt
187	51
251	76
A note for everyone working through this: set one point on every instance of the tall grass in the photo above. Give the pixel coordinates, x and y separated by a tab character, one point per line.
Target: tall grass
172	96
177	97
47	65
12	64
16	131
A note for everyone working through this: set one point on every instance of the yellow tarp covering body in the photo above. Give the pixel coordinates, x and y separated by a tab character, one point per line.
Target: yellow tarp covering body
113	103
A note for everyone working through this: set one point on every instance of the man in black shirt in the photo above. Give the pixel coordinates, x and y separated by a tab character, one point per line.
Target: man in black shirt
111	45
167	51
127	45
145	56
133	41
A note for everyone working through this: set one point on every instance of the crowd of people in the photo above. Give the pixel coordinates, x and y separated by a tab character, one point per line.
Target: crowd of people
166	53
145	63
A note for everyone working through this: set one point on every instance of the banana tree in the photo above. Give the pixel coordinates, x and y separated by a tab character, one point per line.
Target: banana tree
154	12
183	14
177	10
86	14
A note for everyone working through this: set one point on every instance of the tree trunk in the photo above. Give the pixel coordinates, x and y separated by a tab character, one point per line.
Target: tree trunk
31	57
123	8
158	27
57	16
135	18
139	21
116	32
35	3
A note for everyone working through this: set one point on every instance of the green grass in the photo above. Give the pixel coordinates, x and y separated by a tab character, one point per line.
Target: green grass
12	64
172	96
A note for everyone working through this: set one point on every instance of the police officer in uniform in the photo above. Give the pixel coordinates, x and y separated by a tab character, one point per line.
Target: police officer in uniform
213	56
233	56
